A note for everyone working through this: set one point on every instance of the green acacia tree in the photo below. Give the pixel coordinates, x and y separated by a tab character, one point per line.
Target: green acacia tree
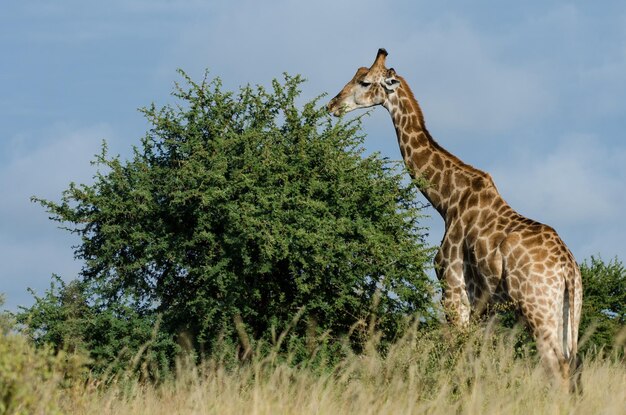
245	206
603	322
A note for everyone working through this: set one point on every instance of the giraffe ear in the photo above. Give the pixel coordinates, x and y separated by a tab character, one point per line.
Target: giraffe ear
391	81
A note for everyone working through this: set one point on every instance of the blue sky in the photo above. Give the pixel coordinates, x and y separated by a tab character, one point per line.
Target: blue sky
532	92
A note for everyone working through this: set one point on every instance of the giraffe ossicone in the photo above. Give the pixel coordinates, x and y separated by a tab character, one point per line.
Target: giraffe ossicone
489	252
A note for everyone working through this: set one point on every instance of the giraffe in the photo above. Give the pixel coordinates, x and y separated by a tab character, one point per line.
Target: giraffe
489	252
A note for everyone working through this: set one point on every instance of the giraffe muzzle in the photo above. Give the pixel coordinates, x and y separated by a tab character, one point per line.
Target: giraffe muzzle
333	108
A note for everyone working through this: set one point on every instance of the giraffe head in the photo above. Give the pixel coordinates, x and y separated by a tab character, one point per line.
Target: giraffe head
368	87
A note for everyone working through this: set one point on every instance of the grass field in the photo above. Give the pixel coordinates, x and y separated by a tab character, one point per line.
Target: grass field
439	372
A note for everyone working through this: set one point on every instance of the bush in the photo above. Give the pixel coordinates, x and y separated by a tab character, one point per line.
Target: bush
239	207
32	379
116	337
603	322
27	376
7	322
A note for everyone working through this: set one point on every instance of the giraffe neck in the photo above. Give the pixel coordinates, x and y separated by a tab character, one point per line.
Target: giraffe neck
435	169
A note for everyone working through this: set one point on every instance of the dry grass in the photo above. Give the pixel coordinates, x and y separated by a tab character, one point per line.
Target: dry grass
441	372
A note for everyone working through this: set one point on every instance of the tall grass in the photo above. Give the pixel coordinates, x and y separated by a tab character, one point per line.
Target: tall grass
440	371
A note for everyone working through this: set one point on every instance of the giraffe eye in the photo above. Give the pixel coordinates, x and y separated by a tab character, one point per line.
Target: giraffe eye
365	84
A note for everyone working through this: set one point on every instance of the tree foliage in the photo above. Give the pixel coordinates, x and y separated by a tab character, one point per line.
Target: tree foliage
240	206
603	323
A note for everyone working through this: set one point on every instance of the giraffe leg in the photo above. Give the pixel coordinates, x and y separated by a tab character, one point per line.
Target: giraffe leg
547	330
555	363
538	290
455	300
489	276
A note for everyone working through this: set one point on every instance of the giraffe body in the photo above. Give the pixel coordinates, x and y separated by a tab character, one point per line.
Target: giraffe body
489	252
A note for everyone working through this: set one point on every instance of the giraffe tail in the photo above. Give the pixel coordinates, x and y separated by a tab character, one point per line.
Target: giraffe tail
567	320
570	331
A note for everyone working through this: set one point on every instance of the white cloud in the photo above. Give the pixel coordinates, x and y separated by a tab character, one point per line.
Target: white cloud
579	181
578	187
605	84
465	85
31	246
608	241
252	42
63	155
455	69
